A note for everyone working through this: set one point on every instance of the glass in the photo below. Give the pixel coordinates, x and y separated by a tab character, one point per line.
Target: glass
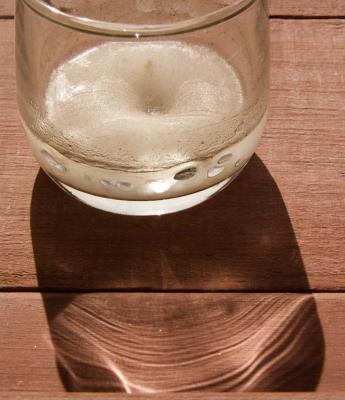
142	107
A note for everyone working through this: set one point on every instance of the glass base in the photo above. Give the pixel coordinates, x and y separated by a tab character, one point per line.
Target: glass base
145	208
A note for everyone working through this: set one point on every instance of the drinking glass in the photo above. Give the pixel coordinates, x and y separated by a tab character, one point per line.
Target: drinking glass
142	107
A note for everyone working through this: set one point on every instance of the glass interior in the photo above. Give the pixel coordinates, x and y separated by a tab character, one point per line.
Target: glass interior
143	112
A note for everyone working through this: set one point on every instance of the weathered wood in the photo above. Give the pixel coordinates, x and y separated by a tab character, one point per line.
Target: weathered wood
307	8
146	343
280	226
174	396
7	8
289	236
277	7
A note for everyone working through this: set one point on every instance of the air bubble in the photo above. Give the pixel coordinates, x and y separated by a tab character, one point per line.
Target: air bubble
60	167
224	159
51	161
214	171
185	174
125	186
159	186
241	163
106	183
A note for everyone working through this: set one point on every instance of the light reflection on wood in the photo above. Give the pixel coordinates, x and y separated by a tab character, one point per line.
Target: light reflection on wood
151	343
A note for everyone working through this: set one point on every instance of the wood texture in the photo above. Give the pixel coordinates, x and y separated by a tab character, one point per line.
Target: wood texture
7	8
180	396
290	236
280	226
277	7
146	343
307	8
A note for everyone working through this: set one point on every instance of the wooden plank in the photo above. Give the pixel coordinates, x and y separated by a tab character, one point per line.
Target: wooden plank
179	396
307	8
277	7
7	8
150	343
280	226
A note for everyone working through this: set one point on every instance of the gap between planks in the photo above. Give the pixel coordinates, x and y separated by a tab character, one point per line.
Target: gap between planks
307	93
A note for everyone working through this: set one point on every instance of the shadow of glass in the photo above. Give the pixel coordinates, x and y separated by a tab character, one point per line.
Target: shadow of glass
242	239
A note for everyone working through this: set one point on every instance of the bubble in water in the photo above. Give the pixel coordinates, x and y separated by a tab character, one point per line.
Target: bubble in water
106	183
51	161
125	186
185	174
224	159
159	186
60	167
214	171
241	163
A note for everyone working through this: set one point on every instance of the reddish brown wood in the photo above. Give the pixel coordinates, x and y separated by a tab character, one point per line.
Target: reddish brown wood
280	226
277	7
7	8
289	236
307	8
163	342
180	396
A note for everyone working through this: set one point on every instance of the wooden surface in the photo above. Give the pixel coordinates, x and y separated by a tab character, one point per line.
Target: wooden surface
277	7
288	237
307	8
141	342
189	396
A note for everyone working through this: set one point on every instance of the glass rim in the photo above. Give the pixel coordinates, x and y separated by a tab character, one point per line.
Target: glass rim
107	28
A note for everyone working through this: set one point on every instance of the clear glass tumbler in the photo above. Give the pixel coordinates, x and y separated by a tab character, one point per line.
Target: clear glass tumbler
142	107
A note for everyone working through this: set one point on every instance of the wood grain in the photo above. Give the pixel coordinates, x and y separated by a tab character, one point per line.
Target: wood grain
280	226
277	7
147	343
307	8
289	237
181	396
7	8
